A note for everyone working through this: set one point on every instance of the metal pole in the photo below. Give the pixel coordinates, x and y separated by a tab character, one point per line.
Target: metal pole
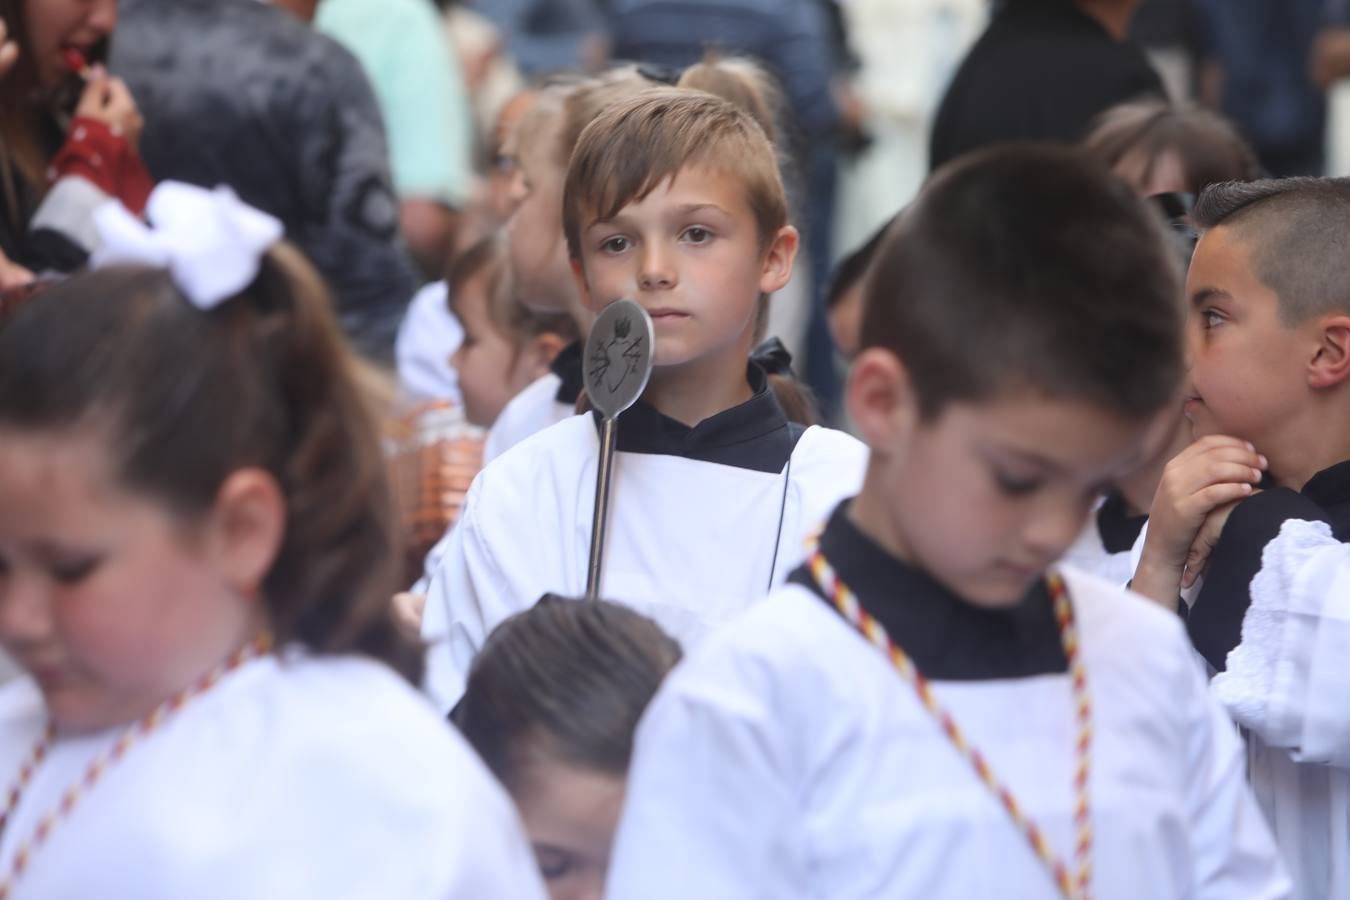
601	515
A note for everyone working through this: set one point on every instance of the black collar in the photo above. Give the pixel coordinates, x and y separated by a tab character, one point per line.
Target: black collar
1119	529
567	366
753	435
1330	489
947	638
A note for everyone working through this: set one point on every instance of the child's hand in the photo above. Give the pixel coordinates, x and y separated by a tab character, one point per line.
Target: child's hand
408	610
108	100
1213	472
12	275
1205	539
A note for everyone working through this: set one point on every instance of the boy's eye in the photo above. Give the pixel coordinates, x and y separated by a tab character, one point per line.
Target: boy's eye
1015	486
74	570
697	235
1210	318
615	245
554	864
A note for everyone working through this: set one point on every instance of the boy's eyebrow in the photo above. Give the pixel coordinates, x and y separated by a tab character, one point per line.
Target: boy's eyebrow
1030	457
699	207
682	209
1206	294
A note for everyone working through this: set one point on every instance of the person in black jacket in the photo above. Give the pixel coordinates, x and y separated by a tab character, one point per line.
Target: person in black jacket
242	93
1042	71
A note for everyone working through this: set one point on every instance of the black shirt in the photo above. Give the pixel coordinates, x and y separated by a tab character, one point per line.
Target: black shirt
1215	618
947	637
1041	71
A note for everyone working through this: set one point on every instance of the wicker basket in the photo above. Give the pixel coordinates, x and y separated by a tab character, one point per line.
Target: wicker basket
435	454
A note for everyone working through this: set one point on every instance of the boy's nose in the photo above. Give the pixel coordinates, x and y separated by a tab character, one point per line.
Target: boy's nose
1055	528
657	273
25	618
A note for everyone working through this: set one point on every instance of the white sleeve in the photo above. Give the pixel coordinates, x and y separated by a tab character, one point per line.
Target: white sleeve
1233	851
1288	679
709	794
467	597
490	856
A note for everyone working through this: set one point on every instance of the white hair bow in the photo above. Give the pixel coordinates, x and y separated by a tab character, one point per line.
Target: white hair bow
211	242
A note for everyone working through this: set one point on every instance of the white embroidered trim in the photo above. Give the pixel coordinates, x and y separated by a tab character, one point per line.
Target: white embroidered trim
1263	679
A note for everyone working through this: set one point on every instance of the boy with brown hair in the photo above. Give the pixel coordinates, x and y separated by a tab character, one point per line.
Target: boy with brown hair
673	198
928	709
1269	403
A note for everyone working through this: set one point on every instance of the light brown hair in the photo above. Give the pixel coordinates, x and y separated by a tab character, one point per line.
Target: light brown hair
508	314
744	83
1208	146
636	144
184	397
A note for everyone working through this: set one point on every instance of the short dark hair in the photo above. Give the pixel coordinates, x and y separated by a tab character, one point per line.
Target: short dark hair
566	679
852	267
1297	231
1029	267
508	314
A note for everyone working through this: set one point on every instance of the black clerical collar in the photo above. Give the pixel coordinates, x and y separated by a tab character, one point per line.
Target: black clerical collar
1119	529
1330	488
567	366
753	435
948	638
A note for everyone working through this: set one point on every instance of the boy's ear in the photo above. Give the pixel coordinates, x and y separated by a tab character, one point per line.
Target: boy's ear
881	400
778	259
246	527
1330	365
540	351
579	278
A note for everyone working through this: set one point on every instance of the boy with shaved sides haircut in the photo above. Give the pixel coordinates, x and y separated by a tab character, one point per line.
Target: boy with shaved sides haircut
1267	478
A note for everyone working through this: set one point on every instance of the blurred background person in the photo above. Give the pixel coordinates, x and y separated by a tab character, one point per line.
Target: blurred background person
243	93
410	61
1256	71
546	36
1042	70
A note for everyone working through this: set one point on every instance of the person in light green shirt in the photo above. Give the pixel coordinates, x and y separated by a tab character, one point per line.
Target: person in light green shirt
403	48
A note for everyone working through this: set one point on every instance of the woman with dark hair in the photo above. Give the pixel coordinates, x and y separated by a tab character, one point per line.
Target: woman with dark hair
68	134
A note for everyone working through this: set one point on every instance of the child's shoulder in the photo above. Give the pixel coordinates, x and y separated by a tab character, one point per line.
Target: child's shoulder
308	750
1119	628
785	647
829	446
526	414
350	727
567	445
